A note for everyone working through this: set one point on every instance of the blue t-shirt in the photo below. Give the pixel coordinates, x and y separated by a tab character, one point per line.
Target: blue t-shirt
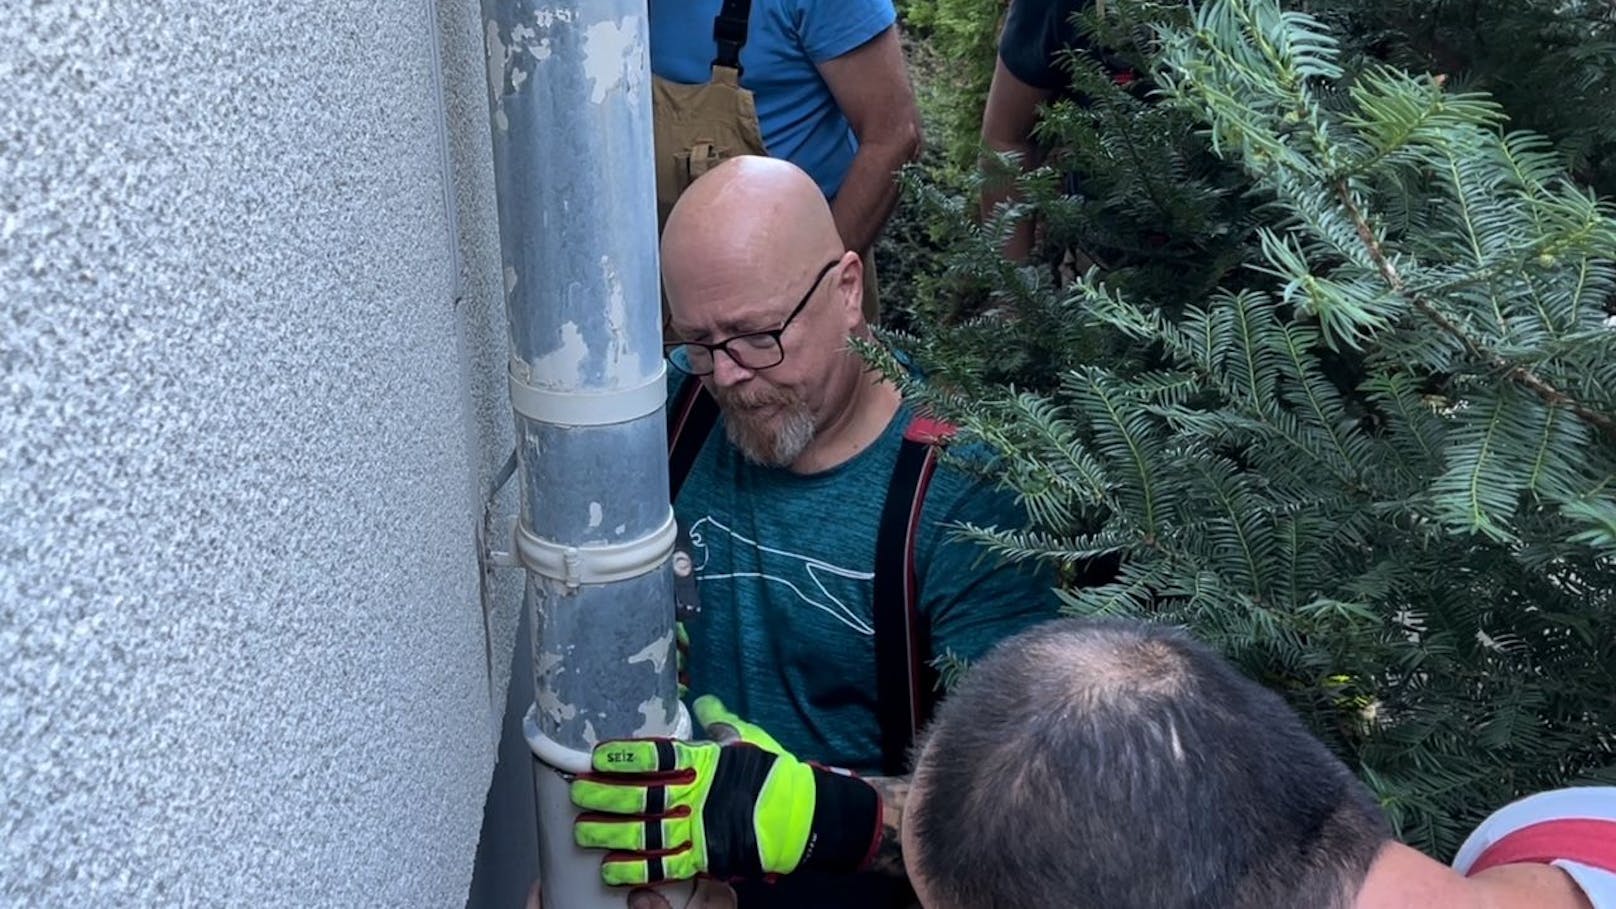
785	40
784	564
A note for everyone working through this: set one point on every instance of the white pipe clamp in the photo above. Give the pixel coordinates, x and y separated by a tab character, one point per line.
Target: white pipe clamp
571	760
595	408
595	563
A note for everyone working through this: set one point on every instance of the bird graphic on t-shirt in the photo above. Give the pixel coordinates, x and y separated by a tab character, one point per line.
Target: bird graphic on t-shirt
807	577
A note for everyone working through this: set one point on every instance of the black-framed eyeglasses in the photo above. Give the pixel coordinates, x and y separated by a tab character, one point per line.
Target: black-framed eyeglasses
753	350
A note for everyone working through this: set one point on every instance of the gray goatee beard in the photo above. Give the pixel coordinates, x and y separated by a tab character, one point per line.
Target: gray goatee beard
771	443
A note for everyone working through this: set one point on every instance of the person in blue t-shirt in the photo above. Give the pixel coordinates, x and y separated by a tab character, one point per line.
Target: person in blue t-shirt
819	83
782	505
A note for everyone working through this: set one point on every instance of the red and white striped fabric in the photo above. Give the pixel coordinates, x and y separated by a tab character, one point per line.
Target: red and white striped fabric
1571	829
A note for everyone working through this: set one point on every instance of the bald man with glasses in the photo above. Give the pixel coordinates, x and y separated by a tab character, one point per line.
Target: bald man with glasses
784	502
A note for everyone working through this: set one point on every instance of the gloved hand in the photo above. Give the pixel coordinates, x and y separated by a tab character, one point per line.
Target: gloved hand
671	810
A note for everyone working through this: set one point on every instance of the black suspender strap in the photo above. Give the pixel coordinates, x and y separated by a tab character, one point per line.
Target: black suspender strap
729	32
691	416
905	681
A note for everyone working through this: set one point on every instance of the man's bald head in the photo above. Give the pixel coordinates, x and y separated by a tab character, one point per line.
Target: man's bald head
746	219
751	252
1122	764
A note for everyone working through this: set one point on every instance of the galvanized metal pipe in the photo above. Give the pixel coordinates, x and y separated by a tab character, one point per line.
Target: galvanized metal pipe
570	105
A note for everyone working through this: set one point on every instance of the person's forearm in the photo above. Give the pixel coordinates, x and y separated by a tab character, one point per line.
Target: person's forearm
1000	189
1008	123
869	192
894	790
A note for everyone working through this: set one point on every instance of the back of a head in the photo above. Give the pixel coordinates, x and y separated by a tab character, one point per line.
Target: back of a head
1091	763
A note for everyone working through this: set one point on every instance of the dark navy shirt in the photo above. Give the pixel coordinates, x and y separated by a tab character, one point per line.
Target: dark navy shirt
1035	32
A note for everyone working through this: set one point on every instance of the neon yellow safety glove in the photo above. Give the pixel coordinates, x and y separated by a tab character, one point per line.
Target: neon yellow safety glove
744	809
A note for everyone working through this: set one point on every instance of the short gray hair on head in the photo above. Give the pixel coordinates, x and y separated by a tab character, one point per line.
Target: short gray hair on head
1120	764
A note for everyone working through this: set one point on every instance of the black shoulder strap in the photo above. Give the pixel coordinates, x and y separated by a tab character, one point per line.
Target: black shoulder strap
905	681
729	32
692	413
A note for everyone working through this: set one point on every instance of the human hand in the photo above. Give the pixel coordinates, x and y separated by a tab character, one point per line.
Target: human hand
744	808
703	894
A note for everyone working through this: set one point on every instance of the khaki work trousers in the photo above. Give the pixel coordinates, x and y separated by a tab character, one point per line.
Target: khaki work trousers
696	127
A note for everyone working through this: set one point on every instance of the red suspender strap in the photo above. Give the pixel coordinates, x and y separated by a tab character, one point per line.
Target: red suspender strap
922	675
905	679
929	431
1589	841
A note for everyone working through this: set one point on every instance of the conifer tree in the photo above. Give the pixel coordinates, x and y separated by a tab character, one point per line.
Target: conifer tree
1550	63
1341	398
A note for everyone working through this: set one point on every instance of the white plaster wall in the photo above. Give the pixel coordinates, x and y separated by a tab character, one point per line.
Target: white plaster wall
507	856
484	332
244	426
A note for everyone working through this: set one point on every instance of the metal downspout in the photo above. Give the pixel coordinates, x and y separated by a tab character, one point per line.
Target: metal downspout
569	100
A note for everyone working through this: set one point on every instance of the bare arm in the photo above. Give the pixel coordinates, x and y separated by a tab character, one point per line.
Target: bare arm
871	85
894	792
1007	124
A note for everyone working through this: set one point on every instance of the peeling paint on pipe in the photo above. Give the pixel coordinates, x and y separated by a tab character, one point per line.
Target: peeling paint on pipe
613	51
585	319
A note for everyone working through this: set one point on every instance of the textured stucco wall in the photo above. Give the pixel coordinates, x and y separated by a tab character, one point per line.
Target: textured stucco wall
507	856
484	331
244	428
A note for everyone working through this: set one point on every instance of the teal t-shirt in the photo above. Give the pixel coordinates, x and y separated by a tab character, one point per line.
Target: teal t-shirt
785	563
